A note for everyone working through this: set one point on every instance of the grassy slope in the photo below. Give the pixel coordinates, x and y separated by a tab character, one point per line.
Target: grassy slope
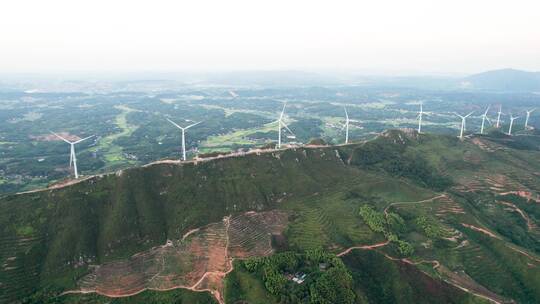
379	280
241	285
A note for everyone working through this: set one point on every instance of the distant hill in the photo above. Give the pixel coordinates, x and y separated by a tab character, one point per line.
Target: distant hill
504	80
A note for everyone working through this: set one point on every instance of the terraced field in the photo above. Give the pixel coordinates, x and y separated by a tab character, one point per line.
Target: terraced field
197	261
330	221
19	274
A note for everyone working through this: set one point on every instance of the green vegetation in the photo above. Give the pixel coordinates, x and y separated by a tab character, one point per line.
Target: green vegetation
112	152
480	229
324	277
387	225
242	285
428	226
395	153
379	280
375	220
115	216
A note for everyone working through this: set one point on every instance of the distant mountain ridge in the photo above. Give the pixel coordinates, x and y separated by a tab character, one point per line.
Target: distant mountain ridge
504	80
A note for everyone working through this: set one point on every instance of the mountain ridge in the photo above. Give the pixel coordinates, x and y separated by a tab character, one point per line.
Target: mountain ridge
504	80
64	232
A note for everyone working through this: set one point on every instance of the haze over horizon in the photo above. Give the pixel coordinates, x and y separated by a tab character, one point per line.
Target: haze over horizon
416	37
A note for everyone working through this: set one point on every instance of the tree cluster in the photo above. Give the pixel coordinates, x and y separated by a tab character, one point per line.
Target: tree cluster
389	225
322	286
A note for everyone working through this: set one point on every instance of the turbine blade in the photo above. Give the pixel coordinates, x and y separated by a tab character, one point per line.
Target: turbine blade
192	125
346	114
282	111
175	124
286	127
487	110
80	140
60	137
469	114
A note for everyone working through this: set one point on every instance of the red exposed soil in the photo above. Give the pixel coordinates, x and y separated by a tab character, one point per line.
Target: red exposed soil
198	261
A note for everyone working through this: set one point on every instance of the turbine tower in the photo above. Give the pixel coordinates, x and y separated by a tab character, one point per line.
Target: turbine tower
346	126
484	118
512	118
183	136
281	124
72	156
527	119
463	118
499	117
420	114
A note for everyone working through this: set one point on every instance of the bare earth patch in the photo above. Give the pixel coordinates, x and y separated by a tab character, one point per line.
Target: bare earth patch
197	261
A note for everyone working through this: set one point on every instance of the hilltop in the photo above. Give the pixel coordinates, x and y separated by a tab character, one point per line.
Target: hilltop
448	220
505	80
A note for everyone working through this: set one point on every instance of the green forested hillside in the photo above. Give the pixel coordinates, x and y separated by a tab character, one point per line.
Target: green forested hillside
440	214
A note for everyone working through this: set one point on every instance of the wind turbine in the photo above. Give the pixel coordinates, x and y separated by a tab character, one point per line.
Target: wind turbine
72	156
512	118
420	114
281	124
183	136
463	118
499	117
484	118
527	119
346	126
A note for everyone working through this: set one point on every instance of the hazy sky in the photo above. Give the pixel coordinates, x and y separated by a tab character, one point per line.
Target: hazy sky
407	36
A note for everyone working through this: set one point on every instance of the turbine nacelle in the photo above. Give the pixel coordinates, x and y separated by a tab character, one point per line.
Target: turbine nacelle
463	123
419	117
512	118
484	119
281	125
346	126
499	117
183	135
183	128
72	156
